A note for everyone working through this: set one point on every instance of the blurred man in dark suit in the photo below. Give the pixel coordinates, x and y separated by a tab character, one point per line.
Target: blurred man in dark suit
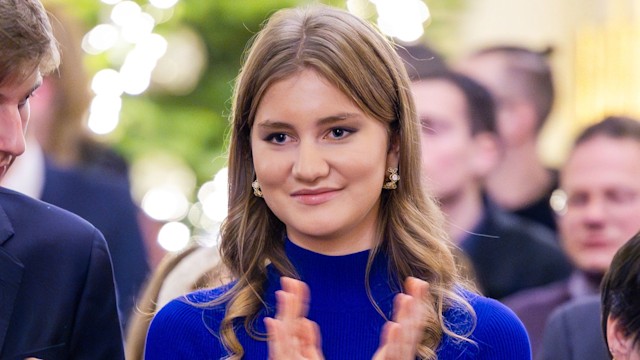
598	206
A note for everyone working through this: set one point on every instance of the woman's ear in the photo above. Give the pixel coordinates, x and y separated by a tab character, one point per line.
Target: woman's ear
393	156
620	345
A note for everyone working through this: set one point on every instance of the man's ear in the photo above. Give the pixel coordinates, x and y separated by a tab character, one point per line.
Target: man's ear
486	154
620	345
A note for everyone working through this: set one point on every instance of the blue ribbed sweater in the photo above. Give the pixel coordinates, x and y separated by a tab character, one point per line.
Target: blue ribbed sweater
350	326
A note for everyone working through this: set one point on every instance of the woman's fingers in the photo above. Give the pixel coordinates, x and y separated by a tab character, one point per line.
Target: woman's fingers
291	335
311	340
414	309
282	341
411	312
300	295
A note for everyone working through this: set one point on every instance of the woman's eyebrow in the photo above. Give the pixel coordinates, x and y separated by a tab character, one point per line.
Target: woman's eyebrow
276	124
337	118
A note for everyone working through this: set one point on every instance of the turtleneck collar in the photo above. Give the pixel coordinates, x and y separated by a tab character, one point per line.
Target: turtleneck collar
338	281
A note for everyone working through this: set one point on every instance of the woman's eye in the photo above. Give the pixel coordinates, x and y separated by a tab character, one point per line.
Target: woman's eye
338	133
278	138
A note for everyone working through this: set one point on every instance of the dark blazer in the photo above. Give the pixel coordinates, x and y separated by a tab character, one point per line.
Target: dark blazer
509	254
573	332
57	296
104	200
540	210
534	306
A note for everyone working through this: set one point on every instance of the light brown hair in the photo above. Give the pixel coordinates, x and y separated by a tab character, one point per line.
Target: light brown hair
26	40
358	60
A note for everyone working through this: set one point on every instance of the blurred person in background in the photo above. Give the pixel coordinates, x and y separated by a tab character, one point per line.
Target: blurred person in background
573	332
621	302
521	83
603	325
460	147
63	165
421	60
57	293
600	210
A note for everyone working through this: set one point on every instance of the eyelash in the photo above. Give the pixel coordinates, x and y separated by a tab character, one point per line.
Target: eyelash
271	138
345	132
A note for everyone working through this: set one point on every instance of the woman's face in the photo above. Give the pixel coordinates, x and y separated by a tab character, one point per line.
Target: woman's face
321	163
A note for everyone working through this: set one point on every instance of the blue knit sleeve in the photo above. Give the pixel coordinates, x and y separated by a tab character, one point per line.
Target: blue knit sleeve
498	334
182	330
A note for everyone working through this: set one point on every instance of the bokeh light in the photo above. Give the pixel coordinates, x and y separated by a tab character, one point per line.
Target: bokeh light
183	46
161	170
174	236
104	113
107	82
101	38
163	4
402	19
165	203
125	13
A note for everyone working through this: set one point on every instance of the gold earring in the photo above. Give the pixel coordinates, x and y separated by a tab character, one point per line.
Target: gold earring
393	177
257	191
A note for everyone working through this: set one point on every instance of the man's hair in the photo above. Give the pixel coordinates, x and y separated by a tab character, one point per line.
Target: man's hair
621	290
616	127
421	61
479	101
530	75
26	40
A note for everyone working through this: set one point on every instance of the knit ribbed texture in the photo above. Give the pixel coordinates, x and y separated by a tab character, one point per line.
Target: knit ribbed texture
349	323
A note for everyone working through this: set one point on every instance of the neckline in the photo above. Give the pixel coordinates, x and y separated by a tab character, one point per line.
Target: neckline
339	279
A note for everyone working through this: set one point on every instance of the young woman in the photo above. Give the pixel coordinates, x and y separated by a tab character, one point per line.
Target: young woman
328	222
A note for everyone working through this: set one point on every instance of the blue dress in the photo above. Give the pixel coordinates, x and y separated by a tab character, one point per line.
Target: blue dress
350	326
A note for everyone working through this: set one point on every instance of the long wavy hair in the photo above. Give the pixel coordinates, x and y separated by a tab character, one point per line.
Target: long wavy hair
353	56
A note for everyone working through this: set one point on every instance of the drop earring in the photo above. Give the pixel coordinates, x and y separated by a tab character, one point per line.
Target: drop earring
393	177
257	191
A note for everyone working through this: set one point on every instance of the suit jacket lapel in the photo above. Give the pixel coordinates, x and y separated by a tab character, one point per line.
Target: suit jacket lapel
11	270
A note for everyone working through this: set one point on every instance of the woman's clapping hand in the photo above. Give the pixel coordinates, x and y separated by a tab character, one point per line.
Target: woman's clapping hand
292	336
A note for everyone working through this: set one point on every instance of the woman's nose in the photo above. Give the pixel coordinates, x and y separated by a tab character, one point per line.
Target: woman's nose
310	163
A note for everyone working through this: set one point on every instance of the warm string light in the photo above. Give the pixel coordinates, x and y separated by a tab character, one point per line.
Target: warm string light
129	33
134	50
607	76
402	19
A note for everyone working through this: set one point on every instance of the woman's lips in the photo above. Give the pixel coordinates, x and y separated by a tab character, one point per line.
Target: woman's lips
315	196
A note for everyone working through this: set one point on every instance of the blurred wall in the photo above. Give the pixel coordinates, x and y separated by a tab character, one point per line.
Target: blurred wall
596	52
